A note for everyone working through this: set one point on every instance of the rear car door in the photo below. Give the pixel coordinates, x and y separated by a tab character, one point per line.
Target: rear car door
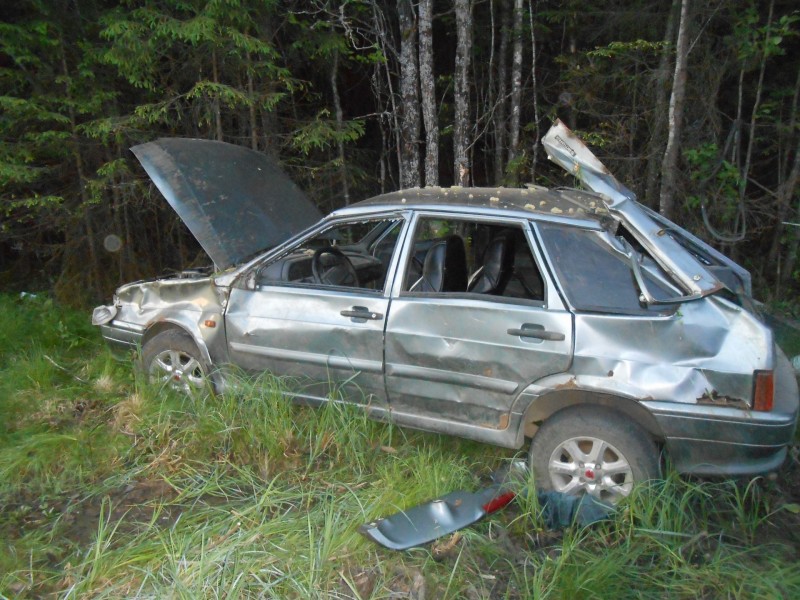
463	340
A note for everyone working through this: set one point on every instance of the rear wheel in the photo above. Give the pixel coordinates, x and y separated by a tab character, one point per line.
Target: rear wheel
172	359
592	450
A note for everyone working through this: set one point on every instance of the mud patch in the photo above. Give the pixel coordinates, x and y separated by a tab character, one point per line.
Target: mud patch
131	509
76	519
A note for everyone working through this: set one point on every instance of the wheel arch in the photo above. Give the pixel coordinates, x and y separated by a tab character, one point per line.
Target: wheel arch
167	325
548	404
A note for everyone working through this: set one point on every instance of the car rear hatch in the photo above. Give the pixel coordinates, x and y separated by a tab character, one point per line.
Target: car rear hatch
696	266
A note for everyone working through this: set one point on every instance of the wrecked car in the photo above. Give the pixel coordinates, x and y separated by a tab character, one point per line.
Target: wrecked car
578	322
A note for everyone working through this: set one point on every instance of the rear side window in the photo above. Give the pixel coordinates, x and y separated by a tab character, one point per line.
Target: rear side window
465	256
595	275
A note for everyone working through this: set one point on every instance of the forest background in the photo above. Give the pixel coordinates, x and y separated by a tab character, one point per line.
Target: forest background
693	105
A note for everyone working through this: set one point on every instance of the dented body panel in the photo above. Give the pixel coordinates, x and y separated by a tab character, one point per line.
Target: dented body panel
346	310
325	352
191	305
706	352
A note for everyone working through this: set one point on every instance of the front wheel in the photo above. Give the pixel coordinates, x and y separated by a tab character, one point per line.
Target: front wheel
592	450
172	359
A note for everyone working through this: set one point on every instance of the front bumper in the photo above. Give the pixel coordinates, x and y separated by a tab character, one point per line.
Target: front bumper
122	337
703	439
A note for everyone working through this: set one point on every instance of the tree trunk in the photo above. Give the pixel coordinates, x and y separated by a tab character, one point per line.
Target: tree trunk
537	136
252	110
428	92
409	94
675	120
267	116
93	270
461	122
215	101
516	83
391	136
654	152
754	113
785	194
791	254
784	198
337	106
502	90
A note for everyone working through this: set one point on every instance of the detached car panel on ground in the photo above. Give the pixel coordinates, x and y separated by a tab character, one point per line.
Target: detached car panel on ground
581	320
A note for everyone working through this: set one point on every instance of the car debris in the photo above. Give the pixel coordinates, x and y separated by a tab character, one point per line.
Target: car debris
424	523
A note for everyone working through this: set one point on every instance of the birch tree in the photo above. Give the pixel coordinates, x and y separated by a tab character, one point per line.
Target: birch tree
656	142
409	95
461	123
516	83
534	92
428	92
337	106
669	165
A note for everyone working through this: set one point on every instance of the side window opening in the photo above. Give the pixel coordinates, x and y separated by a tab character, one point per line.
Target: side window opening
355	254
459	256
595	272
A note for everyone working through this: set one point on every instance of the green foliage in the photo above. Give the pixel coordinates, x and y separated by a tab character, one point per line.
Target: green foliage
755	40
619	49
515	169
322	132
82	84
718	178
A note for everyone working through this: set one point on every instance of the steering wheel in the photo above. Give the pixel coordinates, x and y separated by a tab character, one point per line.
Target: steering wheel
336	269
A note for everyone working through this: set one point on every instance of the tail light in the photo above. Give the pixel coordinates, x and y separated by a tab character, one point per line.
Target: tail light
498	502
763	390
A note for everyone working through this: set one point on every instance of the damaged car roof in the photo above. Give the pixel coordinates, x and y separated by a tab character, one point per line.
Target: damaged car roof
571	203
235	201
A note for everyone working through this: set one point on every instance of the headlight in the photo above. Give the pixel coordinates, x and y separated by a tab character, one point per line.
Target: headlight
103	314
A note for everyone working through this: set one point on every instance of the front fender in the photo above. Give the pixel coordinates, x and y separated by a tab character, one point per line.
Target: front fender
193	305
188	326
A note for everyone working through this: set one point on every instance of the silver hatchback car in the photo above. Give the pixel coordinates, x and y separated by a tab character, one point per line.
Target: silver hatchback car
582	321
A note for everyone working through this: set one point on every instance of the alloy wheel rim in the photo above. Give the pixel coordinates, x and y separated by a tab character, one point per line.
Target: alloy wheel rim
590	465
178	370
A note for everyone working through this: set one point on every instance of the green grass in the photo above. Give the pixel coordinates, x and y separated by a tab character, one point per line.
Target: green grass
111	488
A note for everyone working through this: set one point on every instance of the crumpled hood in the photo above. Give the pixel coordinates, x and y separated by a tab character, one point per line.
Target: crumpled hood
235	201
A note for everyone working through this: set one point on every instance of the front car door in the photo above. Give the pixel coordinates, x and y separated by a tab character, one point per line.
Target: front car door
463	340
316	313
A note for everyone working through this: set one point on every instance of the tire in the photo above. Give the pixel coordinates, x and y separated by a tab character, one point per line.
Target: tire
592	450
171	359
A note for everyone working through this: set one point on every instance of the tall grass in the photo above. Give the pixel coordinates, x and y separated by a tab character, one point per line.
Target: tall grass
113	488
672	539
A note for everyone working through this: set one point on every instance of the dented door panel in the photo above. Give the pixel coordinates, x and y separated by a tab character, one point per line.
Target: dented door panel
301	333
454	358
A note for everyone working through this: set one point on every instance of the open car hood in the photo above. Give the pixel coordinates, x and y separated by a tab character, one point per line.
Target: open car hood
699	268
235	201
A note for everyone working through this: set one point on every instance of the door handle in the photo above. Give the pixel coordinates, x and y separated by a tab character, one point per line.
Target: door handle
362	312
539	334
